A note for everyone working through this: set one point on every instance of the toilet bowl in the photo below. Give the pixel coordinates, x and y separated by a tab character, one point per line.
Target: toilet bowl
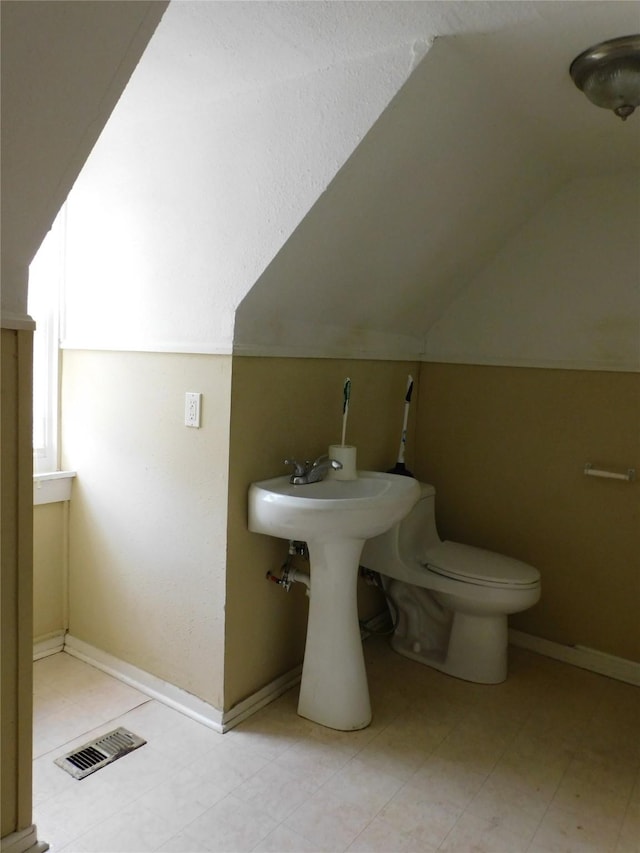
451	601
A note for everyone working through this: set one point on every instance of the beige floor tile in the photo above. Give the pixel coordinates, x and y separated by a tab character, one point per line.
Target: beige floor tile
545	749
49	780
380	837
564	832
181	843
529	787
111	699
313	761
73	812
181	798
285	840
185	742
549	757
230	825
449	779
505	833
476	753
610	742
593	789
269	734
629	839
276	790
227	765
151	718
402	749
348	744
329	820
356	783
426	816
134	829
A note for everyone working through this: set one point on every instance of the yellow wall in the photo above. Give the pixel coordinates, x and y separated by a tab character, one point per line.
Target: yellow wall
49	569
505	448
293	408
16	587
158	573
147	529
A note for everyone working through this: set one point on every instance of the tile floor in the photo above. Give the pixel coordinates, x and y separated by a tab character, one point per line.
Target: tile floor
547	761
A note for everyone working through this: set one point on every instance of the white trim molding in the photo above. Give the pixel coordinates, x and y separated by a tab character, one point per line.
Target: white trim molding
53	487
24	841
49	644
176	698
604	664
327	352
475	360
159	347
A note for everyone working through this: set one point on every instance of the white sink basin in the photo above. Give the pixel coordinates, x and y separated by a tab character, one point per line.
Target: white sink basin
353	509
334	518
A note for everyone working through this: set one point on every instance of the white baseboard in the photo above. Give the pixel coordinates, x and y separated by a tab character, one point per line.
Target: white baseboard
262	697
146	683
614	667
24	841
175	697
49	644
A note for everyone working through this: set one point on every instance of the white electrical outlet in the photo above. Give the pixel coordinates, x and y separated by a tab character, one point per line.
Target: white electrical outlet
192	400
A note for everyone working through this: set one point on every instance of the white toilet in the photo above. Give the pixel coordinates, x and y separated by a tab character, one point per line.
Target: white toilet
452	600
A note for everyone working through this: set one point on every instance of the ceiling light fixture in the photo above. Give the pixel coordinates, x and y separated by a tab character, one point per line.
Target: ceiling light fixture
609	74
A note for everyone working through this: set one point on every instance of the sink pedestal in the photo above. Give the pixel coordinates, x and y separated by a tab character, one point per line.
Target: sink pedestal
334	690
334	518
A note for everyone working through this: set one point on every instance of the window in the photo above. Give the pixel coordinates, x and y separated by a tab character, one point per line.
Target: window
45	279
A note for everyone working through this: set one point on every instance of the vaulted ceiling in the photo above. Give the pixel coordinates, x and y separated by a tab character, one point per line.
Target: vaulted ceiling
486	128
484	132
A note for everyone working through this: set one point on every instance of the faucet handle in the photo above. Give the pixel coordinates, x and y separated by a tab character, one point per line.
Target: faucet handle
300	468
330	463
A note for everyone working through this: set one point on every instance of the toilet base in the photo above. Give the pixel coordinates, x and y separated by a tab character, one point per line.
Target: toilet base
476	649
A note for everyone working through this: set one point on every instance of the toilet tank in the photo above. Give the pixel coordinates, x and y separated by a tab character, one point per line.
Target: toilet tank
406	542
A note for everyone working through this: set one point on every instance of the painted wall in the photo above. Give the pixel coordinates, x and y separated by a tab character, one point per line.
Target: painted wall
64	66
49	569
148	517
168	226
284	408
505	448
563	292
198	203
433	191
16	581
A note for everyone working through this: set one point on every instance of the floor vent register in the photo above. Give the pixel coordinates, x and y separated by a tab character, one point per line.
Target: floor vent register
99	752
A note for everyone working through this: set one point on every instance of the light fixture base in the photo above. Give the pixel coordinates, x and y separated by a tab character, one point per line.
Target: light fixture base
609	74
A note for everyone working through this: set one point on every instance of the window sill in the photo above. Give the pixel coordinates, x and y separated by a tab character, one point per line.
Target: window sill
52	488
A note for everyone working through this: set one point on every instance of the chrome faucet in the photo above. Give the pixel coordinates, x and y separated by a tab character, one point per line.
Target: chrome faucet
311	472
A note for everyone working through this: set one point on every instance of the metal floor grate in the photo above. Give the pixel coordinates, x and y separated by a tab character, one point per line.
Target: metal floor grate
99	752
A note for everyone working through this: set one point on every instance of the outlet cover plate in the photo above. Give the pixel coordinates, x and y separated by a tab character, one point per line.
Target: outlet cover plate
192	406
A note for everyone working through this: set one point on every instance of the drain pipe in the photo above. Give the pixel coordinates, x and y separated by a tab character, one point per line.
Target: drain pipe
289	574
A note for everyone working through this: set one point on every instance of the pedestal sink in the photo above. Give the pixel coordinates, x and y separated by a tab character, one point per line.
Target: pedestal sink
334	518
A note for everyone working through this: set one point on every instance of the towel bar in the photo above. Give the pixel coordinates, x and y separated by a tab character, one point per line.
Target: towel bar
629	476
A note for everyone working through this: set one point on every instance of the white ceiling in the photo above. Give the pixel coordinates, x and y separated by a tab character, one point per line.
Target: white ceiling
205	51
64	66
486	129
487	125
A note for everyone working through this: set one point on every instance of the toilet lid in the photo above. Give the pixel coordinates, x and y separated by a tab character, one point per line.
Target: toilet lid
475	565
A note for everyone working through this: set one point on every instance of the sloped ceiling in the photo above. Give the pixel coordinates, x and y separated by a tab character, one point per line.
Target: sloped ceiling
486	129
64	66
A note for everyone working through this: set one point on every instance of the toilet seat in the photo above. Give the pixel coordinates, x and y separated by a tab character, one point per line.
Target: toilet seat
478	566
